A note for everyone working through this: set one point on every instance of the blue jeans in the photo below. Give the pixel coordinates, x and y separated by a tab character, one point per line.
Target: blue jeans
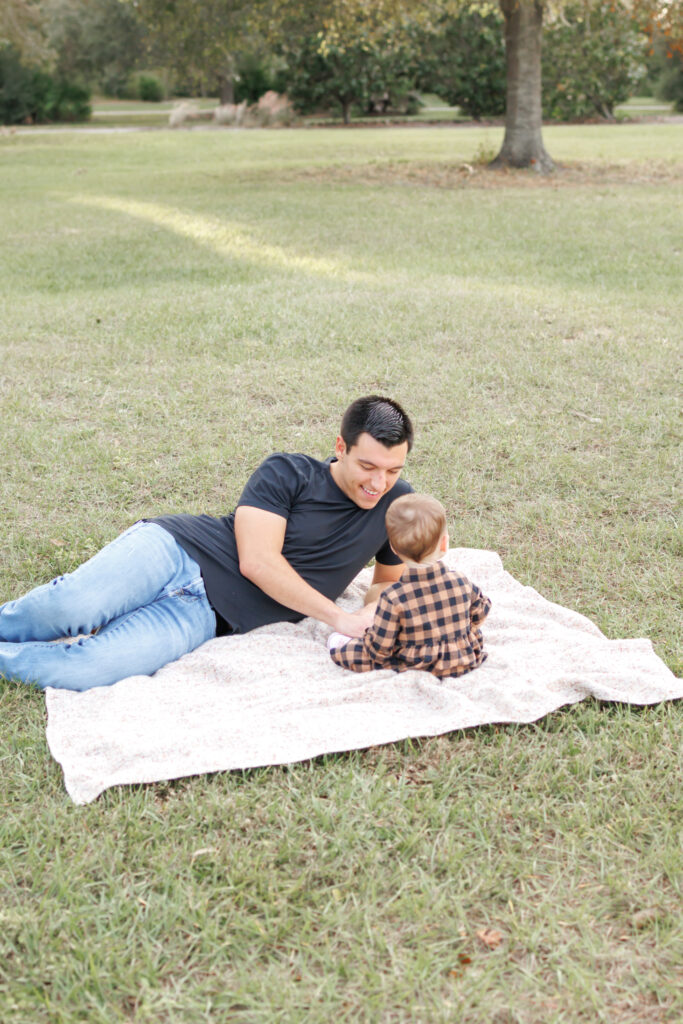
142	593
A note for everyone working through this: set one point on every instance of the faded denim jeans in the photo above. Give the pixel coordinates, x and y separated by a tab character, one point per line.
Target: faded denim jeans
137	604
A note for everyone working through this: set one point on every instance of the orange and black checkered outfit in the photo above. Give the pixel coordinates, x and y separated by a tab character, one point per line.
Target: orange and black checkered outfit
429	619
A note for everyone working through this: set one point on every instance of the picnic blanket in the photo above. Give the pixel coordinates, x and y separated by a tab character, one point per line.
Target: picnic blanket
273	696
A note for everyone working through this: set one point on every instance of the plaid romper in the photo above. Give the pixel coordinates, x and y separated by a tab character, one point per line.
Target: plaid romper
428	620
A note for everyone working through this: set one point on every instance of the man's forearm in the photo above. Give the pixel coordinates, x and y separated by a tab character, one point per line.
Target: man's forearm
275	577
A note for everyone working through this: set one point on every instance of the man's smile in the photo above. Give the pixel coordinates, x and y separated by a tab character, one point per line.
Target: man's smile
368	460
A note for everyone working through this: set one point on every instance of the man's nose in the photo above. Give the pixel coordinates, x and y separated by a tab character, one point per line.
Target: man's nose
378	481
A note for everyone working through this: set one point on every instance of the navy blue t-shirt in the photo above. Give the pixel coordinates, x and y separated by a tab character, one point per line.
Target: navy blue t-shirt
328	539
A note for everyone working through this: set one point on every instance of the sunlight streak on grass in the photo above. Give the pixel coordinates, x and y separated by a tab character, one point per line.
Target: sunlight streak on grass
224	238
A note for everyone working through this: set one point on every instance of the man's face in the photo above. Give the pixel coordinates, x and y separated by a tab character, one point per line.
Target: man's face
367	470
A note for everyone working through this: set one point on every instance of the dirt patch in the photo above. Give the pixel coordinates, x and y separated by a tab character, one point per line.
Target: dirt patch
466	175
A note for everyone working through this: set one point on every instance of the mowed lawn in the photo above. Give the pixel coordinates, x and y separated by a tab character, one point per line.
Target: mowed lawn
174	307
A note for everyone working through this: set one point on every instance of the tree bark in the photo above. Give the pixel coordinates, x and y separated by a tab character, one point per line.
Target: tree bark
227	89
523	141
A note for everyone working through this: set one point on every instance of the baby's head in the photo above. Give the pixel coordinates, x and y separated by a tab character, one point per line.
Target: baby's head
416	527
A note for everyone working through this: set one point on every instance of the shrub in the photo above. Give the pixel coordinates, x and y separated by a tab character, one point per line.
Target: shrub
17	88
273	108
463	62
183	112
31	95
68	101
144	86
670	81
257	75
230	113
592	60
150	89
347	75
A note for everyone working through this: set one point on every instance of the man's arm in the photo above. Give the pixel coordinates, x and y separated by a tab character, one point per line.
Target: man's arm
260	536
386	574
383	576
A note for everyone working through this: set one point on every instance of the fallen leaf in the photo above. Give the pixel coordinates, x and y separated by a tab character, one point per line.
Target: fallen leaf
490	937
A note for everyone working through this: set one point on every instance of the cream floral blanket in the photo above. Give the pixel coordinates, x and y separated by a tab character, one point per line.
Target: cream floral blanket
274	696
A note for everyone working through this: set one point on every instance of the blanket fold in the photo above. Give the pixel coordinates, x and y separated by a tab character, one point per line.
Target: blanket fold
274	696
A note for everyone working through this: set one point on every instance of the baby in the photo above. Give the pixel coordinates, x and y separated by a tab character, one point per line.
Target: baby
429	619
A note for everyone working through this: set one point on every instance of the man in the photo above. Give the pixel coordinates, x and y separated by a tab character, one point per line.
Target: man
301	531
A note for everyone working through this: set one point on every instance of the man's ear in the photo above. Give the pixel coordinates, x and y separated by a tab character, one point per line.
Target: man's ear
339	446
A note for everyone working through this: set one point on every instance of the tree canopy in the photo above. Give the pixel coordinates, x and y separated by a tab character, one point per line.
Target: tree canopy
355	54
22	26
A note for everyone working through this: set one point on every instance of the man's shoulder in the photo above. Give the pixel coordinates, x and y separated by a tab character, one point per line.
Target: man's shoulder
289	465
295	461
281	480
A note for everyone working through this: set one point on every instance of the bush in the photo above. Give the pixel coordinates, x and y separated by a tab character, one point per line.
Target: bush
257	75
230	113
463	62
150	89
670	80
67	101
17	88
348	76
142	86
29	95
182	112
592	60
272	109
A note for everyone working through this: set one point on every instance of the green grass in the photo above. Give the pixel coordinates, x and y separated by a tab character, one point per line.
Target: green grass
644	106
175	306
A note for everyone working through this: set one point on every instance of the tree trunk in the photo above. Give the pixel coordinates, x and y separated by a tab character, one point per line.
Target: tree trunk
227	89
523	142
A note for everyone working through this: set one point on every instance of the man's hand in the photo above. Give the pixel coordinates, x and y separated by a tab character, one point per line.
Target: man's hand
355	623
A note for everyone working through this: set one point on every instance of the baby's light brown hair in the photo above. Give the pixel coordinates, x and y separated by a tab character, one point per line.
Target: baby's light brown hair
415	525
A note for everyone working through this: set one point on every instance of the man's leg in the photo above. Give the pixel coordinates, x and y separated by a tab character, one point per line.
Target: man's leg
145	592
135	644
127	574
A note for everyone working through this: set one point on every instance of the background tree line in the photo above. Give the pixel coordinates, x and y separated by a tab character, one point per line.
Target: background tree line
345	56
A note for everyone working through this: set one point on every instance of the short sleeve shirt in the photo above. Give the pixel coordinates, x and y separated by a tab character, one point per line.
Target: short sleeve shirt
328	538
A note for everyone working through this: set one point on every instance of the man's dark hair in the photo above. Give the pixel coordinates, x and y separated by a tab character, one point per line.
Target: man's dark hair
380	417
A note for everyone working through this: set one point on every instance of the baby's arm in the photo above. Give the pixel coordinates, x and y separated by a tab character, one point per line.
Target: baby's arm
376	646
351	655
480	606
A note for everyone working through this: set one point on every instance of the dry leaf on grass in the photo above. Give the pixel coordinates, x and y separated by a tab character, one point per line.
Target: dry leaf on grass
490	937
